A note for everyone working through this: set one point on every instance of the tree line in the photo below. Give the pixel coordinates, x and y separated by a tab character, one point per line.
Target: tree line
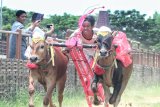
136	25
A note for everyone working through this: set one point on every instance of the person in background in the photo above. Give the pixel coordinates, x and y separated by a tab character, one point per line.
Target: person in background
19	25
37	18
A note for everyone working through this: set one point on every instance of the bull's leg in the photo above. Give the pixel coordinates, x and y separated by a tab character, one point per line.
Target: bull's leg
61	86
48	96
94	83
117	82
124	83
107	94
51	103
96	101
94	89
31	90
126	76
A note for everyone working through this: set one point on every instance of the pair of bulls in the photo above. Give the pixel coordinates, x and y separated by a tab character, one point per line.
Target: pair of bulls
51	76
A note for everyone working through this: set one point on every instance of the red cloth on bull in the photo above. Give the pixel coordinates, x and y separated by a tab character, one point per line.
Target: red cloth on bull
123	49
98	70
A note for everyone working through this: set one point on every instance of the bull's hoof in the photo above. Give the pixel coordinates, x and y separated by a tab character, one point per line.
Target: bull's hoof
31	89
112	100
96	100
52	105
31	105
94	87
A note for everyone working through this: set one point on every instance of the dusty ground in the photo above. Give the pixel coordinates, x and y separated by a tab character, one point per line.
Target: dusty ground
147	100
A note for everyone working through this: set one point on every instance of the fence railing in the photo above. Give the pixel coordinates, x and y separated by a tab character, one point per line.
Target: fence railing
14	76
4	43
140	56
146	57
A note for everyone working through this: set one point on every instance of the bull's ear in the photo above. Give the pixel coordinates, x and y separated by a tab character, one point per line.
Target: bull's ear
115	46
114	33
31	45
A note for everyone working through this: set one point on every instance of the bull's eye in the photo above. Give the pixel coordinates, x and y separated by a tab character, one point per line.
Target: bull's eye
106	44
110	52
42	46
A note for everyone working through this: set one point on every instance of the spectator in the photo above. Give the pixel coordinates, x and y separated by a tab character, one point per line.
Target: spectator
18	24
35	28
38	17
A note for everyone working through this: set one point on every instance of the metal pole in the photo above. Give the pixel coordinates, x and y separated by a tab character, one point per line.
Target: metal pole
1	16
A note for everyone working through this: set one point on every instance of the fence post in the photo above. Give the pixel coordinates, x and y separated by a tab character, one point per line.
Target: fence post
148	58
7	45
138	45
154	59
18	44
158	60
142	57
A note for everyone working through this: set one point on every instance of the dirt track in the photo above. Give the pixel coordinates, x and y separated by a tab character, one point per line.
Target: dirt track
148	100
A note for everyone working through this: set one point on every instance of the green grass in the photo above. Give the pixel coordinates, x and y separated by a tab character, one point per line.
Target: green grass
138	96
142	96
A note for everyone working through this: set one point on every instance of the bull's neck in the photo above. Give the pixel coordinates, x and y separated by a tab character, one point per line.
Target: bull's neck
46	61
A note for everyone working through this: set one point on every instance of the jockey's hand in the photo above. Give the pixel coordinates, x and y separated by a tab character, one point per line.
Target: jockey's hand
36	23
66	50
52	28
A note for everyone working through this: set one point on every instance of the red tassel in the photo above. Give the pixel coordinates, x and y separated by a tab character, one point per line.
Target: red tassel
31	65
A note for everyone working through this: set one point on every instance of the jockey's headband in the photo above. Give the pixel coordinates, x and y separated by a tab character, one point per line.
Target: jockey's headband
82	18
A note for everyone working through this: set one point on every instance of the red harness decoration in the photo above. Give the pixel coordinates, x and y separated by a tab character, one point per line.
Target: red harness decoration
31	65
98	70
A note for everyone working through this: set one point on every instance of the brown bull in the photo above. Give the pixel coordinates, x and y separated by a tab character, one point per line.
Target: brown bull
49	73
114	73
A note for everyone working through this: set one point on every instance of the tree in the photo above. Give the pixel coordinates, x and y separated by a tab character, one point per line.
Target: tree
129	21
62	23
136	26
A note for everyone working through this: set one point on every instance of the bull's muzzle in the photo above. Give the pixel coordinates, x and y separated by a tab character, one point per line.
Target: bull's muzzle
33	59
103	52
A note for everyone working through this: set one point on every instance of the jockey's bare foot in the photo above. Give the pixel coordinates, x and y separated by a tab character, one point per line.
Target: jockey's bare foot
94	87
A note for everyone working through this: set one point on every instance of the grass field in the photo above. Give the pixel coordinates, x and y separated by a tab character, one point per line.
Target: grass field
134	96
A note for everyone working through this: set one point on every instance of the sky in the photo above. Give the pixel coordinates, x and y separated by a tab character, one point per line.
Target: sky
78	7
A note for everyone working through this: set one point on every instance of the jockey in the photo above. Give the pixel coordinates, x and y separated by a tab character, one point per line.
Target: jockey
84	35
